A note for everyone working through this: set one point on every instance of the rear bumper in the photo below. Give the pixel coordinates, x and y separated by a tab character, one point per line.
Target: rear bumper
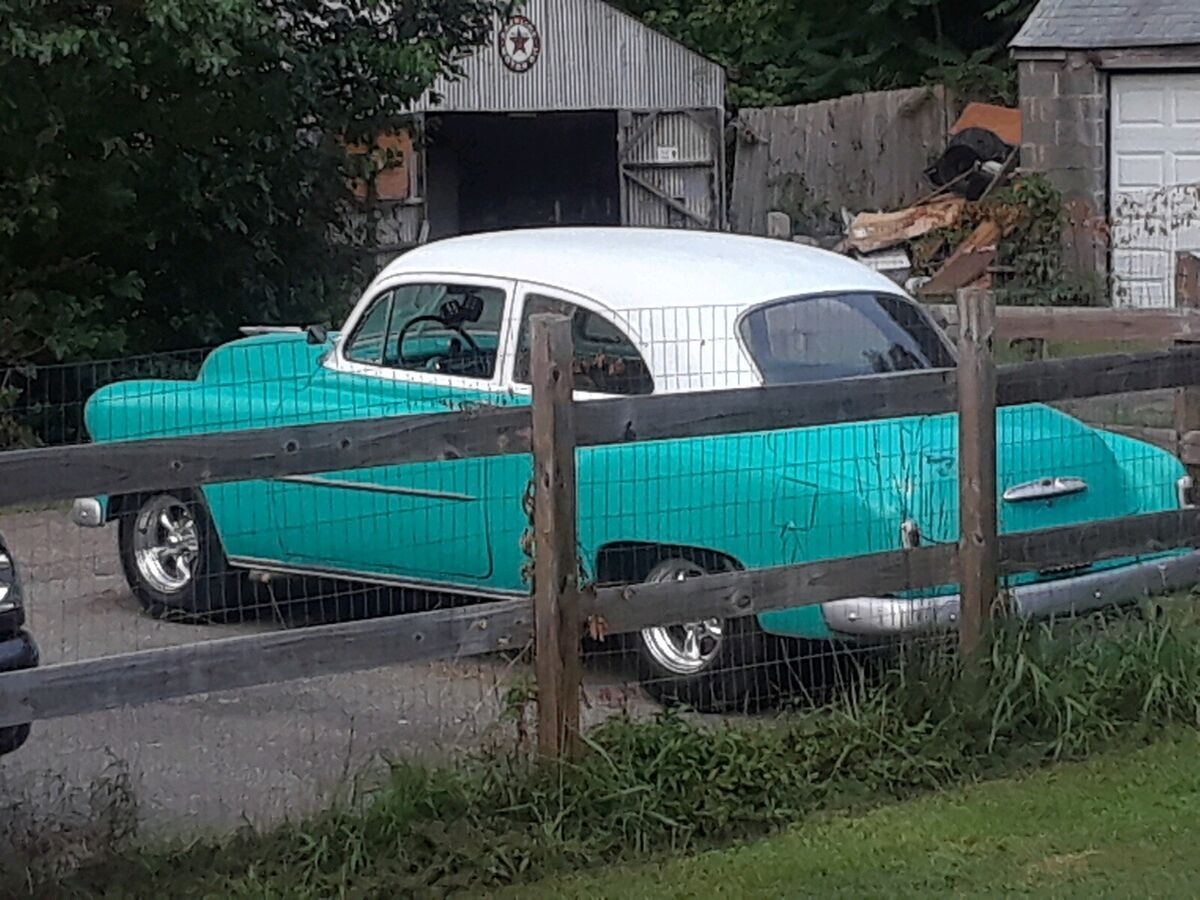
881	617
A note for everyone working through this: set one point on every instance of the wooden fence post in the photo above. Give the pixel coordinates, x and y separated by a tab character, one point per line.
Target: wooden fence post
978	546
557	625
1187	399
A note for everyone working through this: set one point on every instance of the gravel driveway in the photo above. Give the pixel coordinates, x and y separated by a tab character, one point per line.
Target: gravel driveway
257	754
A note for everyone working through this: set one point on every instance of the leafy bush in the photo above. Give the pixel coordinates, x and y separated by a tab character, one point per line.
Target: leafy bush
780	53
676	784
171	168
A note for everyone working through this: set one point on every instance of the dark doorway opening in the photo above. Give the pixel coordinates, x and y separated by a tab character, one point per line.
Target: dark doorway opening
492	171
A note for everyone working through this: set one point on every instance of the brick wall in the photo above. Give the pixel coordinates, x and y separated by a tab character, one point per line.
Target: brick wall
1064	108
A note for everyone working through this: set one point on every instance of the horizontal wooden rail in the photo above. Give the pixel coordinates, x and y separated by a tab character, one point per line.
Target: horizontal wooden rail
1064	323
632	607
148	676
61	473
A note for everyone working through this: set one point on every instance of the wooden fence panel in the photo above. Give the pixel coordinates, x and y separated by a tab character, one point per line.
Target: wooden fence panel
862	152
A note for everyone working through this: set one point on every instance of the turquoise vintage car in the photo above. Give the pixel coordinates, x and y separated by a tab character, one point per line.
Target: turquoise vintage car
445	326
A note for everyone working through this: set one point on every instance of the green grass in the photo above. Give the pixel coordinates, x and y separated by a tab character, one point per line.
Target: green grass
1123	825
674	785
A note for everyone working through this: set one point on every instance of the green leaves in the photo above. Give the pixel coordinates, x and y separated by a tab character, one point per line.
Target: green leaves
159	184
779	52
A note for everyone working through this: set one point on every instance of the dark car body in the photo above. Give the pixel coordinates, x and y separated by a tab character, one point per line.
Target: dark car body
17	649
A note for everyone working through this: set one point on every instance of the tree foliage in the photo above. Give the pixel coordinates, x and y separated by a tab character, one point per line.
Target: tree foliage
171	168
796	51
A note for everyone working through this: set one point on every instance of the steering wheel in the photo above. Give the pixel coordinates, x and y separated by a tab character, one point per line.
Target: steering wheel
458	329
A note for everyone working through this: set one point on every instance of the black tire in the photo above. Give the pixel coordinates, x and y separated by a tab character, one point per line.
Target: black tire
213	588
12	737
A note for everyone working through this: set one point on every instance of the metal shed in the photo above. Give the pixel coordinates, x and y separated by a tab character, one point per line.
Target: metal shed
576	113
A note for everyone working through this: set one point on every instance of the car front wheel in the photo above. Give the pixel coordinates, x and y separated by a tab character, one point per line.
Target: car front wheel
173	559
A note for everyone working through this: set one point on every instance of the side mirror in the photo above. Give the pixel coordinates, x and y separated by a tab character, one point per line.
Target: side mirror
316	335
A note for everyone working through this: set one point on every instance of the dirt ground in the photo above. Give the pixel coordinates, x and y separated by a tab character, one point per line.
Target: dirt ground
258	754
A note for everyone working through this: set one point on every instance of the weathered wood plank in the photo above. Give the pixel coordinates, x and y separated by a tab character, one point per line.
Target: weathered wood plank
60	473
978	546
625	608
148	676
665	416
732	594
1073	545
1095	376
1064	323
559	630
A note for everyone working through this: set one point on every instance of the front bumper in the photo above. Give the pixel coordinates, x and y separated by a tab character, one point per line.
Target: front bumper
88	512
882	617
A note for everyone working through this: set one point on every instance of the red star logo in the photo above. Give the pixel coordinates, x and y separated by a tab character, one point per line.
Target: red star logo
518	39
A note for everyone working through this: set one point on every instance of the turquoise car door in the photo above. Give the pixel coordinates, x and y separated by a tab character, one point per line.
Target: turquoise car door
422	522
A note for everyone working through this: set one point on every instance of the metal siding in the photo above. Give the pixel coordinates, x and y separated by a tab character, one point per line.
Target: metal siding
593	56
693	178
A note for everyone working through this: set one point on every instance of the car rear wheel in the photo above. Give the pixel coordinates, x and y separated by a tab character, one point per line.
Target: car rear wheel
711	665
173	559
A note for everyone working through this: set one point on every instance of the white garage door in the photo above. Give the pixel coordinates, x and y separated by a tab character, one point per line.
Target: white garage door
1154	176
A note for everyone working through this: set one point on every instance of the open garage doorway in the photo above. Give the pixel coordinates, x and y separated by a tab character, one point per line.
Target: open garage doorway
489	171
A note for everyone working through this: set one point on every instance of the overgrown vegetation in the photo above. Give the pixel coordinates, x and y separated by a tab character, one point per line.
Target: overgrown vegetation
780	52
675	784
170	169
1030	266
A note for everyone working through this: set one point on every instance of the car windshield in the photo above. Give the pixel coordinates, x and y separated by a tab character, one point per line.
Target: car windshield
829	336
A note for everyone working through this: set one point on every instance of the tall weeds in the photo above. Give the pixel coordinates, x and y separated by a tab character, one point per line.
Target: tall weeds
1039	694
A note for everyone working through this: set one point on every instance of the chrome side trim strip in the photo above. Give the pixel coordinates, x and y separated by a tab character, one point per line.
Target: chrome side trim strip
274	567
371	487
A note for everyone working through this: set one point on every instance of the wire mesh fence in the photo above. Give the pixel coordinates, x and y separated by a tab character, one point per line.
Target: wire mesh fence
183	566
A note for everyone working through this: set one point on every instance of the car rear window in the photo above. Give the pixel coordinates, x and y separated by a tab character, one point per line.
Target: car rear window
828	336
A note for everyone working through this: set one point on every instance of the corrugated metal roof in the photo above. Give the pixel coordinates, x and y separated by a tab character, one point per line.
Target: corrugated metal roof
590	56
1086	24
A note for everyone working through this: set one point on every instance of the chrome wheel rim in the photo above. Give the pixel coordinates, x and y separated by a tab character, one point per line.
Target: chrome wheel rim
166	544
682	649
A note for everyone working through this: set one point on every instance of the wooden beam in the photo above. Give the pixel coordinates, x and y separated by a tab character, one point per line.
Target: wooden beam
1072	545
655	191
631	607
1066	324
1096	376
626	608
62	473
148	676
559	630
978	544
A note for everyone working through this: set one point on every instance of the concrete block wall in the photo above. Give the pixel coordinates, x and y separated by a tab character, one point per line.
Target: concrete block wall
1064	109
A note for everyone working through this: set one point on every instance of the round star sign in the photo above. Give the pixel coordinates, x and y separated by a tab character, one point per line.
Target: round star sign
520	44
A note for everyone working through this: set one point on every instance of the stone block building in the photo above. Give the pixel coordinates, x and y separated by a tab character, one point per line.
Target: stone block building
1110	107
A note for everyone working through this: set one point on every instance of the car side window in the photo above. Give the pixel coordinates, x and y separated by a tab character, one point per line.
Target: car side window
606	361
367	343
447	328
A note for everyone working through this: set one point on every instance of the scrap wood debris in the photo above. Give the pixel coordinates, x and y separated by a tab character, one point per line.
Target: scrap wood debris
951	232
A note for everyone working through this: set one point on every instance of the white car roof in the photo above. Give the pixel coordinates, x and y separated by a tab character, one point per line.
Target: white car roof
678	294
646	268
